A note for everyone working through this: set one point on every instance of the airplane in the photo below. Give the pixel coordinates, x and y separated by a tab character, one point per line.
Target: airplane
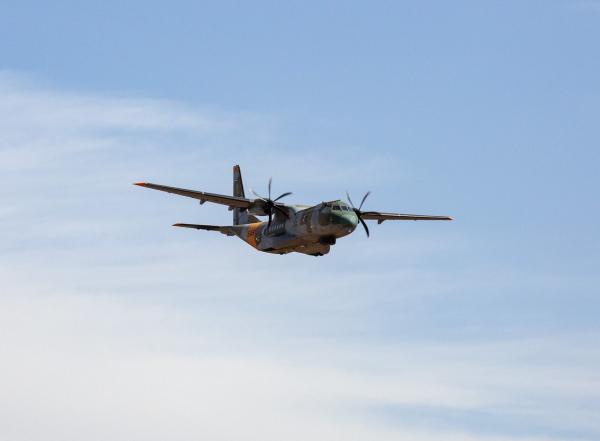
305	229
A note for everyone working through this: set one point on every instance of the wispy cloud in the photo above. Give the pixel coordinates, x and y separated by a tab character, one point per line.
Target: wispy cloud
116	326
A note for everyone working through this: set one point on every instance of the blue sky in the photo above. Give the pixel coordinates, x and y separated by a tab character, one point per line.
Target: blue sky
114	325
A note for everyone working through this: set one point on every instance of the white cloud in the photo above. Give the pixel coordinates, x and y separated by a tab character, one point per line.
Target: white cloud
112	367
99	366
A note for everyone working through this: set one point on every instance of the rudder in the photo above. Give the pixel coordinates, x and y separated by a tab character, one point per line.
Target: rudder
238	184
239	216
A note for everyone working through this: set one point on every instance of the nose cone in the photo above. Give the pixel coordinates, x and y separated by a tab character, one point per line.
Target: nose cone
346	220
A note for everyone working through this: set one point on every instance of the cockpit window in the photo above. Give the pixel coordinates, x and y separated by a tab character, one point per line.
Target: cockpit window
336	207
344	208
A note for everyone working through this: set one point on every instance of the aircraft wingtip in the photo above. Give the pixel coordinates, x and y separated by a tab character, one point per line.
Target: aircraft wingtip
141	184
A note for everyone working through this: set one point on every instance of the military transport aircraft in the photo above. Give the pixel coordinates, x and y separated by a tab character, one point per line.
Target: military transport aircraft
300	228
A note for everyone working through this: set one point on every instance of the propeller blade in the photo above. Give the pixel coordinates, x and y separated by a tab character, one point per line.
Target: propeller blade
358	212
282	211
282	196
258	196
364	225
270	182
363	199
269	207
349	200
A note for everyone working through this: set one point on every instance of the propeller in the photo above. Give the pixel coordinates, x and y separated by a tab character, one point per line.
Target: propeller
358	212
270	205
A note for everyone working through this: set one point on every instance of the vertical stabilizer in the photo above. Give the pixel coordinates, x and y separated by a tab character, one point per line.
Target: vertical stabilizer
239	216
238	185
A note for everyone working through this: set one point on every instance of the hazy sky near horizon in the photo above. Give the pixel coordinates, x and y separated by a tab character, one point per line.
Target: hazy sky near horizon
113	325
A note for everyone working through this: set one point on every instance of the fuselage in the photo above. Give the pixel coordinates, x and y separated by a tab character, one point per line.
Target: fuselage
308	230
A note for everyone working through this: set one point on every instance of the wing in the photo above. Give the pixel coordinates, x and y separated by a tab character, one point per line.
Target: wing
231	201
224	230
380	217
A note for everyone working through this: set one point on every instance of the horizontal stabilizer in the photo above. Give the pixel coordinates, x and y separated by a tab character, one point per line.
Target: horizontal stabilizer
229	231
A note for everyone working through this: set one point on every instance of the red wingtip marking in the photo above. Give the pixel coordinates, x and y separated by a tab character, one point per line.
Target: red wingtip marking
141	184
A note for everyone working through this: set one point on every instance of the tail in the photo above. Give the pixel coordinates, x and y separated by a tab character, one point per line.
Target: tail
240	215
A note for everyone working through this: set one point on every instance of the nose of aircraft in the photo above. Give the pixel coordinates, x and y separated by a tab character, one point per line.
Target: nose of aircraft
346	219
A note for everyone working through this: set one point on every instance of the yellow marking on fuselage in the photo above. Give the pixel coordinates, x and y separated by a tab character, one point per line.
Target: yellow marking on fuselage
251	234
